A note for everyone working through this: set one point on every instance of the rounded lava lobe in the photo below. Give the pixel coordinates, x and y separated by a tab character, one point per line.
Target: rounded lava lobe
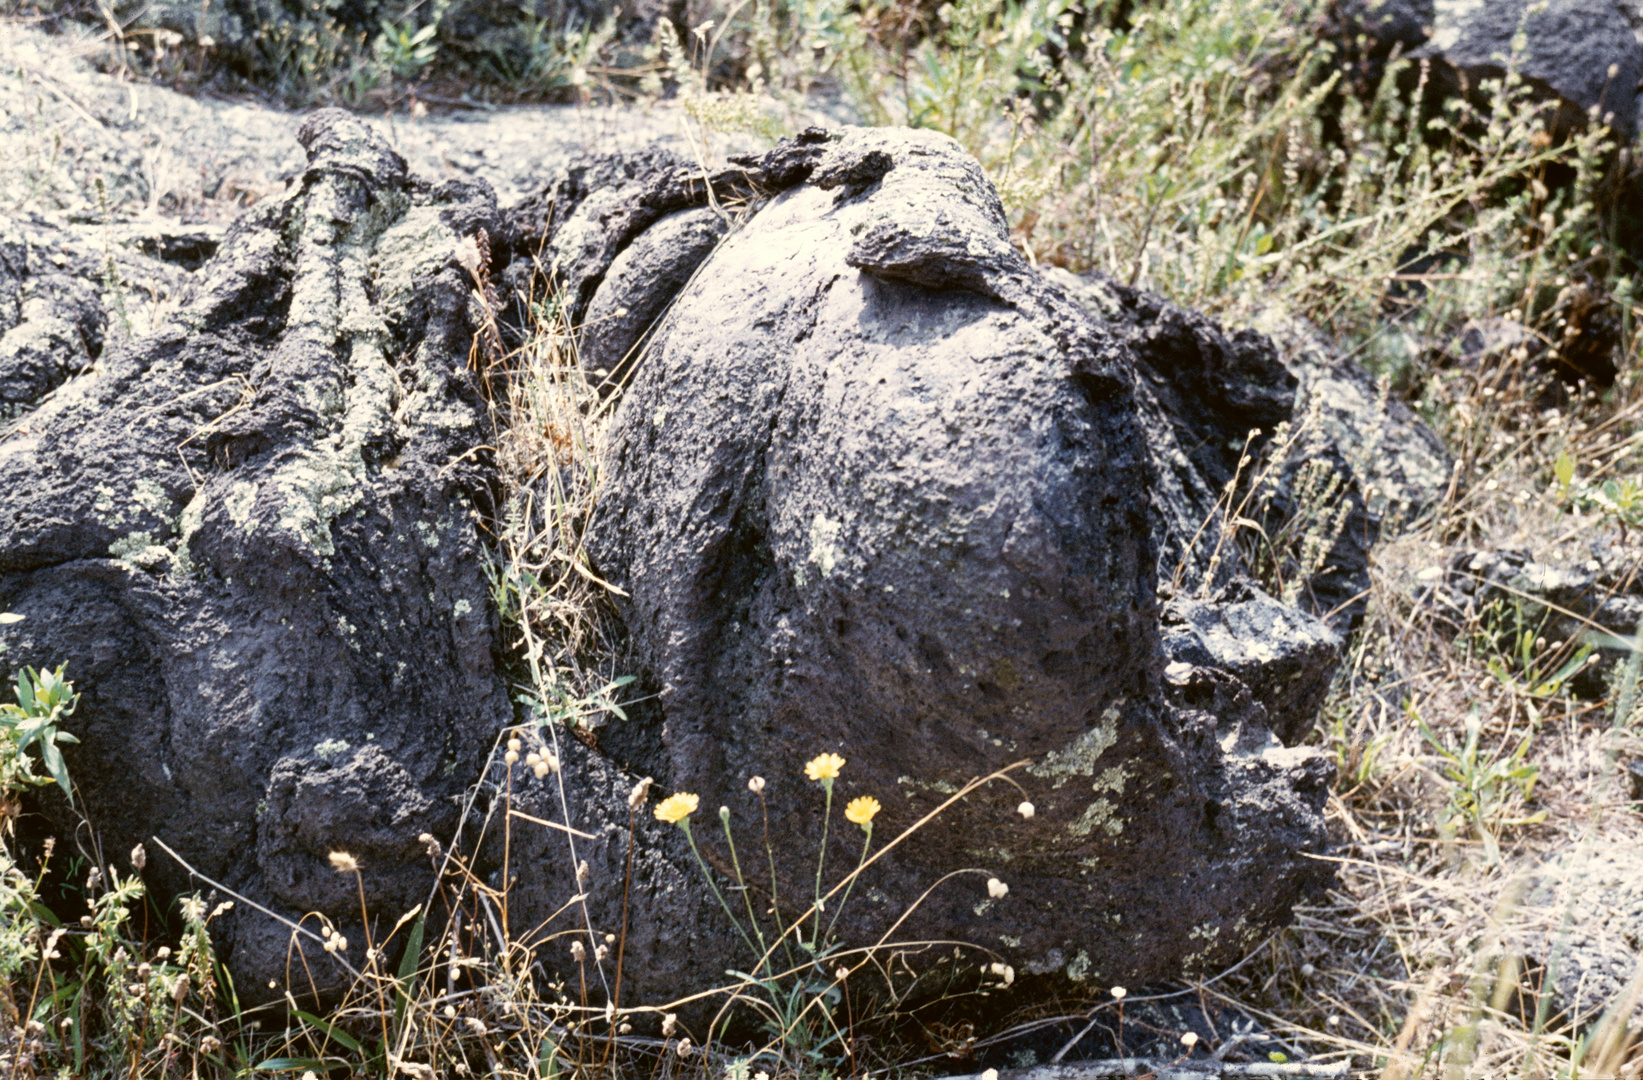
299	654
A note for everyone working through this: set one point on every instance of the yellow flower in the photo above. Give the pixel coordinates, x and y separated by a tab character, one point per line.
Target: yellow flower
861	810
675	808
824	767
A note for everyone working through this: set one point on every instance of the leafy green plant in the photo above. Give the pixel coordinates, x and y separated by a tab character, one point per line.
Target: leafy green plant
44	698
1617	500
541	58
1485	787
405	50
1511	640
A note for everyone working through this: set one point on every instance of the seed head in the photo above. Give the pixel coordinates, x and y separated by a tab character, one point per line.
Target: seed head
1026	810
1189	1040
578	951
684	1047
344	863
824	767
641	790
1118	993
515	745
996	888
756	785
670	1024
139	858
511	757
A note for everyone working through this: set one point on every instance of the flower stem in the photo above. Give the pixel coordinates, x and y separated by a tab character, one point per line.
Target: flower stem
861	862
707	875
821	860
747	897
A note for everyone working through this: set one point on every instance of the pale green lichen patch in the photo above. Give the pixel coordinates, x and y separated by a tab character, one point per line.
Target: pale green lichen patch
1112	780
188	523
127	547
331	749
1078	968
1079	759
417	246
939	786
151	497
241	500
316	490
1098	813
824	544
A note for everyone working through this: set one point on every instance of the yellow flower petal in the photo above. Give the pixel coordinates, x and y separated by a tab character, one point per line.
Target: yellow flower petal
675	808
824	767
861	810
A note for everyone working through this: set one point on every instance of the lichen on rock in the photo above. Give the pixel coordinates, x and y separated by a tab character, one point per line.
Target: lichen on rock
212	528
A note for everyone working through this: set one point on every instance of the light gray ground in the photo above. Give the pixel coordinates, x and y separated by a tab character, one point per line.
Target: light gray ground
163	154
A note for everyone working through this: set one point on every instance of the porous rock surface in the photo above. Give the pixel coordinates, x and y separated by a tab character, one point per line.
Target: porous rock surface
1586	53
63	294
878	487
1581	921
251	535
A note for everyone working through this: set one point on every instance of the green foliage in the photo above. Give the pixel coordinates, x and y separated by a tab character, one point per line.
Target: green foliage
1510	639
93	999
44	698
1617	500
1484	787
544	59
405	50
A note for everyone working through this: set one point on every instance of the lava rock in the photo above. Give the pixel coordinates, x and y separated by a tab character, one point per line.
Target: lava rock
1285	658
1569	49
1585	52
1581	923
1407	23
879	488
1353	463
251	536
63	293
642	280
1596	605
